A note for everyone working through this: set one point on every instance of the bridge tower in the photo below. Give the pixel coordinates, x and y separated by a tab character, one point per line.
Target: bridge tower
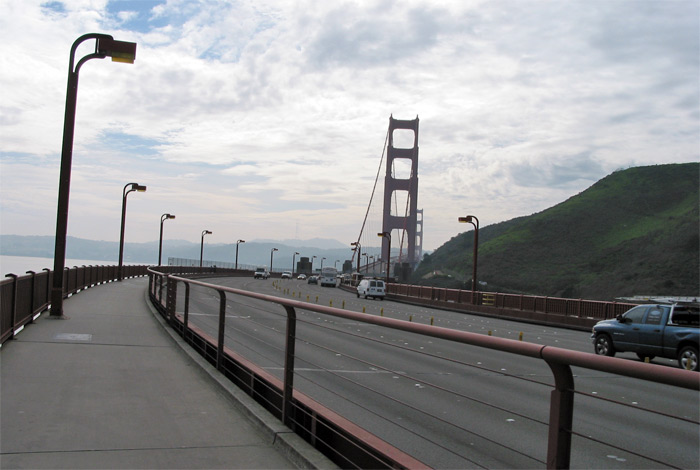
408	220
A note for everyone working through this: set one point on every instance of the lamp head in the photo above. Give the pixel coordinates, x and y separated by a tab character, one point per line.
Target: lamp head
138	187
119	51
240	241
465	220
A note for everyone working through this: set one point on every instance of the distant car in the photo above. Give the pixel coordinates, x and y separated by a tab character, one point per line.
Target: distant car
287	275
312	280
371	288
302	276
261	273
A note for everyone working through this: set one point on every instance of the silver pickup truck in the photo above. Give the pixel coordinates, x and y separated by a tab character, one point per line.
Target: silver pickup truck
651	331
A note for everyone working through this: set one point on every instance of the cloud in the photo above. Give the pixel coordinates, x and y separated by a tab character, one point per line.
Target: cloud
264	116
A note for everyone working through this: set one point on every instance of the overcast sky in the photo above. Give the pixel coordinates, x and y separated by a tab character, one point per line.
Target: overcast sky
267	119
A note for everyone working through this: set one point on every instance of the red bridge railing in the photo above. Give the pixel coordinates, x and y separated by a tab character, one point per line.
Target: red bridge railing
551	310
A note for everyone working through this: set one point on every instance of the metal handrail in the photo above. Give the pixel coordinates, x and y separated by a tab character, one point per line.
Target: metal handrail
558	359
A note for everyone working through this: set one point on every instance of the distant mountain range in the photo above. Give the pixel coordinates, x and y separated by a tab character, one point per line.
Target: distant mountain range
635	232
251	253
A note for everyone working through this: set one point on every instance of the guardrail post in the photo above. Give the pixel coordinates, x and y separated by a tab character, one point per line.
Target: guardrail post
561	417
187	311
49	278
160	289
287	406
170	300
31	302
222	328
14	303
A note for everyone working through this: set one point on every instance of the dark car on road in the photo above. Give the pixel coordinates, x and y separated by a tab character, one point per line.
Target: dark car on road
651	331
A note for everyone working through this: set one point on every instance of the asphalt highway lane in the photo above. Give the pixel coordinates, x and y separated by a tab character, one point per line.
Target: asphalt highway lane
396	384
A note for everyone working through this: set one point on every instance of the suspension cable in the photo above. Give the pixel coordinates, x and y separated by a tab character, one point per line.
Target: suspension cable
374	188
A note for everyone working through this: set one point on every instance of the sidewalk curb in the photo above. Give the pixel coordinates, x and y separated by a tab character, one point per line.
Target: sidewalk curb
300	452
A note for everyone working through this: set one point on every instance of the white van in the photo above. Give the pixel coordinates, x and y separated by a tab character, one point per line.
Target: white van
371	288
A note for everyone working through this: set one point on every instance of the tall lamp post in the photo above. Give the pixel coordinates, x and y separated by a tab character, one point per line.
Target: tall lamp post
322	263
272	252
358	249
294	256
201	248
388	256
470	219
163	218
237	243
125	193
105	46
312	264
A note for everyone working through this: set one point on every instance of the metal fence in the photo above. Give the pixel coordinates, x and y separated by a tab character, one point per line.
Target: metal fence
553	310
352	446
23	298
172	261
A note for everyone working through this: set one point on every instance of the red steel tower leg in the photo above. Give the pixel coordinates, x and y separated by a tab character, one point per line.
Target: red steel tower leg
410	185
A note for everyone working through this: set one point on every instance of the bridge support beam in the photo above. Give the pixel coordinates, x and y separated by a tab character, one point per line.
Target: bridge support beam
561	417
408	221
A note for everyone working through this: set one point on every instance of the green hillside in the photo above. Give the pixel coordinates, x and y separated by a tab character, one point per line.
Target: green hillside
635	232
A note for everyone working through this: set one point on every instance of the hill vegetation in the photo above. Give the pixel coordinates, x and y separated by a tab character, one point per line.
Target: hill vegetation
635	232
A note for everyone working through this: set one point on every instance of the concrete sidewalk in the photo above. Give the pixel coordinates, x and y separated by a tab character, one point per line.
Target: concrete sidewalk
111	387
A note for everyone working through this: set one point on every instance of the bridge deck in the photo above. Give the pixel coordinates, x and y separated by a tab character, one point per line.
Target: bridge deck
109	387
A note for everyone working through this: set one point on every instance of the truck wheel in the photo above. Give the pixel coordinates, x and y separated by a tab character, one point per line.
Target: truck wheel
688	358
604	346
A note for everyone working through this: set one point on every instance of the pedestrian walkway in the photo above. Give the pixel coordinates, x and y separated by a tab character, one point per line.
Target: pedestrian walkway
111	387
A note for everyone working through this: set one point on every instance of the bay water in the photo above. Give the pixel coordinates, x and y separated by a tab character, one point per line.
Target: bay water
19	265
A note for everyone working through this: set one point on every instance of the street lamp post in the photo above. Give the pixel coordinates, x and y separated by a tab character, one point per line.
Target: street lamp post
293	259
272	252
125	193
312	264
201	248
163	218
358	250
335	265
388	256
105	46
237	243
366	262
475	222
322	263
